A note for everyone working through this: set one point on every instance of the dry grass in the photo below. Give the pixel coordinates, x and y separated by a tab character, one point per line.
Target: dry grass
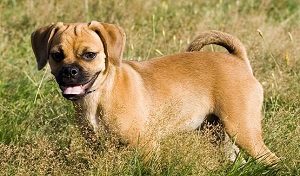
38	134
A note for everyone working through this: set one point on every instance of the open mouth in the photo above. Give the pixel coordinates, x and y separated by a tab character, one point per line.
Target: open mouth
75	92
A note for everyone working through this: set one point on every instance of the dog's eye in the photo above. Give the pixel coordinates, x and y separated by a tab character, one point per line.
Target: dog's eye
58	56
89	55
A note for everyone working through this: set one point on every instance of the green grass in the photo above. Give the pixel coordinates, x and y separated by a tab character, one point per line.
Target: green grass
38	133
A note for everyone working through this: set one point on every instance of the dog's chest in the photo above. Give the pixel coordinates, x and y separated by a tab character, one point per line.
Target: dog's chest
88	108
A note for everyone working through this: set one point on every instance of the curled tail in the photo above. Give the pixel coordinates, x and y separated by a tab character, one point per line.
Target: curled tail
231	43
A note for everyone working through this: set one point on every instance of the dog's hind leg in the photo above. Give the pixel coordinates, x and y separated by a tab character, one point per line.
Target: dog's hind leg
241	116
250	139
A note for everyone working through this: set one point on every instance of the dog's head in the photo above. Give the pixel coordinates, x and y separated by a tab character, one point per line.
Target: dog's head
79	54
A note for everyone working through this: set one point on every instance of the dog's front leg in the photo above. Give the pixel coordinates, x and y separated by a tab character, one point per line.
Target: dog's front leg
88	126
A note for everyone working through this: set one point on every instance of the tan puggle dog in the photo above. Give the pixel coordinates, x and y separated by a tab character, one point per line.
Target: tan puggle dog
142	101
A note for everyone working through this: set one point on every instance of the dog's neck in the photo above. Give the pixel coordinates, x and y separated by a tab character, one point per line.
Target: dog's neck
94	105
87	108
102	106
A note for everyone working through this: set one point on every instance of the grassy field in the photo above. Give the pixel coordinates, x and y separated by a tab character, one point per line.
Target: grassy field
38	133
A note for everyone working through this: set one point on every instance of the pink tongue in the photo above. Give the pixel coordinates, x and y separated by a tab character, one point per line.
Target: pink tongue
74	90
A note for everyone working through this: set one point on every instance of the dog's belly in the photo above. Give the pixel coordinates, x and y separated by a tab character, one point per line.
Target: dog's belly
194	122
185	114
196	117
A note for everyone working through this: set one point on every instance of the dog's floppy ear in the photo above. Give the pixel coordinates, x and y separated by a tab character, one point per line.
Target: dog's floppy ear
113	38
40	40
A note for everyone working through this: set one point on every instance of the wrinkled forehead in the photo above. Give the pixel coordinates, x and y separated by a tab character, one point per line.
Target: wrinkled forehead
76	37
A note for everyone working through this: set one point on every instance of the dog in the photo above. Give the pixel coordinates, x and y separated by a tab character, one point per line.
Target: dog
142	101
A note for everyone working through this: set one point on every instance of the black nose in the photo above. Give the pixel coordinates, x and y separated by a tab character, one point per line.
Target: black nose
70	71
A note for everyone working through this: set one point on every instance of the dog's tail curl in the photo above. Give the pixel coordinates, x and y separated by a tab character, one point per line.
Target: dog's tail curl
231	43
